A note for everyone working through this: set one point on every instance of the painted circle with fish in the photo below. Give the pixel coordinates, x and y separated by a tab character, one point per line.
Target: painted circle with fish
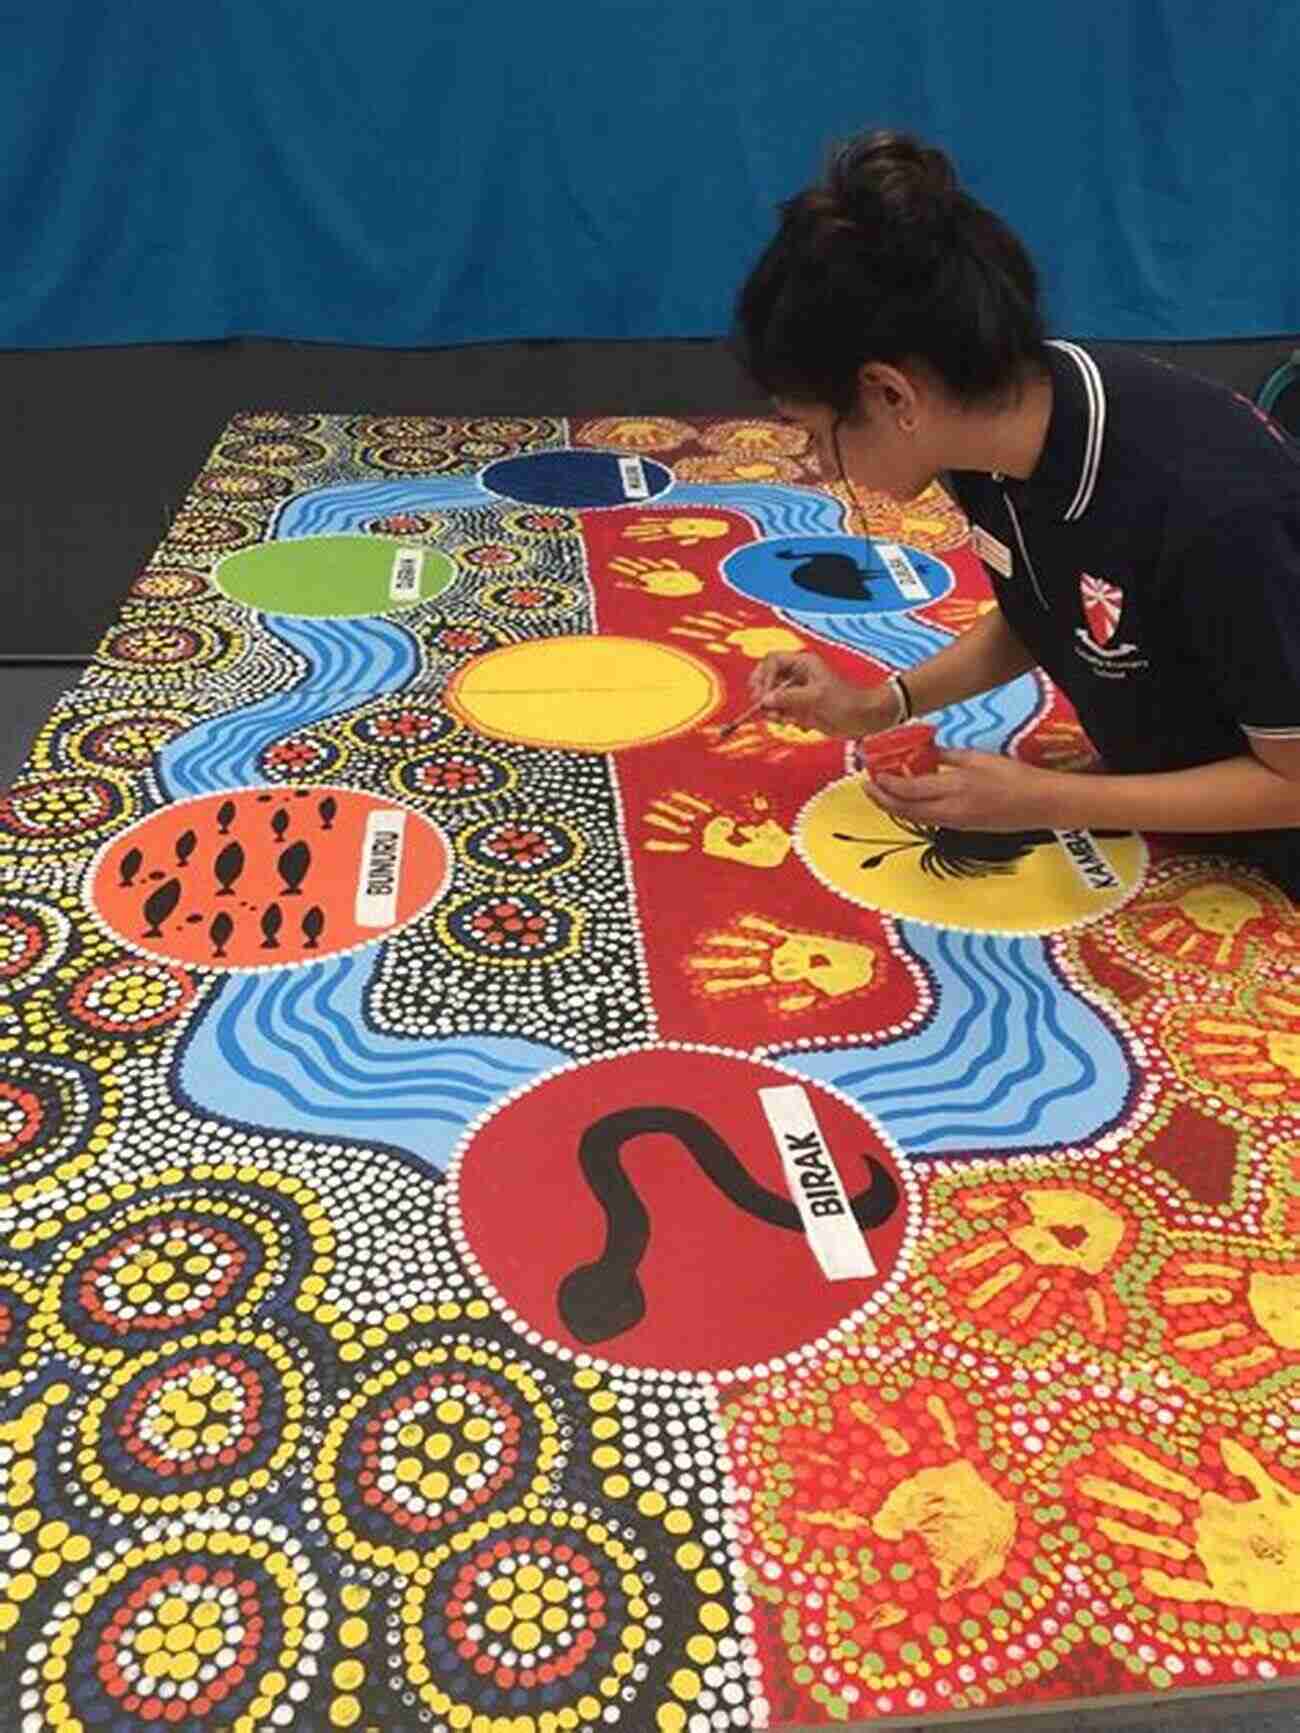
644	1208
256	878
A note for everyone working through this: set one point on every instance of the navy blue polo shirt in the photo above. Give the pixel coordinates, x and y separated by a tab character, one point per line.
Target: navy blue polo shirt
1151	565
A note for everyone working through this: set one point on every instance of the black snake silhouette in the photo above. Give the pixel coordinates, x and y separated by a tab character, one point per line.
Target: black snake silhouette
605	1298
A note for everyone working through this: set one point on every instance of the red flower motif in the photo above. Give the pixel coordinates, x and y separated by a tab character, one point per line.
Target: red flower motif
520	847
403	725
452	775
506	923
292	754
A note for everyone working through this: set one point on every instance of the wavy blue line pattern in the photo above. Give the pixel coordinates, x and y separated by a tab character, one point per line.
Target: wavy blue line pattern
777	510
292	1050
987	722
349	662
1016	1063
348	505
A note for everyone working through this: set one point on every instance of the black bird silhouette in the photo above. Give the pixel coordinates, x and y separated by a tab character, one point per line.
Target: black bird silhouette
225	814
185	847
272	921
833	575
313	924
132	861
160	905
947	853
220	930
228	866
293	866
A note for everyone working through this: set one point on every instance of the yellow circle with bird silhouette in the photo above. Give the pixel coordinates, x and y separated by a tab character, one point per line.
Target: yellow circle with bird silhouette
593	694
1012	882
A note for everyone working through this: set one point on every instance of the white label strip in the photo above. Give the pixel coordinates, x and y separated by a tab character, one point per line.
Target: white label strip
836	1239
910	583
381	869
1088	860
993	552
635	485
404	585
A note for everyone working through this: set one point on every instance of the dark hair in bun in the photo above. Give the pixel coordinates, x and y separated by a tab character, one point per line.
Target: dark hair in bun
887	259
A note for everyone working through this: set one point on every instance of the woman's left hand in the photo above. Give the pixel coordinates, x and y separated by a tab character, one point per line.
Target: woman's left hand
976	791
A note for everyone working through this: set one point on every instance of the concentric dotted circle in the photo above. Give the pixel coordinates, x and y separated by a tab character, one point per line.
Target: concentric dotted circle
208	1419
430	1439
187	1628
551	1612
160	1269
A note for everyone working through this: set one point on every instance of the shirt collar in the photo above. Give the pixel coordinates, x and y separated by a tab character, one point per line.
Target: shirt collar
1065	476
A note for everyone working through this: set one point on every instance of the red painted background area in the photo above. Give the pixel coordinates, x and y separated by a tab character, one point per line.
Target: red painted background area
730	944
722	1287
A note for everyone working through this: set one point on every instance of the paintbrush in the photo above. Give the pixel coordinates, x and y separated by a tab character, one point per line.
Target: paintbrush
729	728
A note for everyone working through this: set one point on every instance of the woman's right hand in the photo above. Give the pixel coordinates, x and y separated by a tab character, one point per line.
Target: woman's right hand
799	687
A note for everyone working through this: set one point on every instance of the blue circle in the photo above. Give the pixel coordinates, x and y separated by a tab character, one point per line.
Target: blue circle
836	575
577	478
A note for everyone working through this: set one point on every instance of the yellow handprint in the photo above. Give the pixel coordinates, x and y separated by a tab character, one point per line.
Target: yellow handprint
689	531
742	961
721	633
769	739
657	577
758	841
1248	1549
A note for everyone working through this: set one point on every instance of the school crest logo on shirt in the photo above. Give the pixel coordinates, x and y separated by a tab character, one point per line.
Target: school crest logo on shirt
1103	604
1098	642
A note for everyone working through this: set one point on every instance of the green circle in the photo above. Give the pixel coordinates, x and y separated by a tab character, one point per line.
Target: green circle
321	577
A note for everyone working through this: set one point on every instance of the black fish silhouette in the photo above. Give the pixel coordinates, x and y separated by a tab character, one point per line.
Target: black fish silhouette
313	924
225	815
185	847
279	824
132	861
160	905
272	921
220	930
327	808
293	866
228	866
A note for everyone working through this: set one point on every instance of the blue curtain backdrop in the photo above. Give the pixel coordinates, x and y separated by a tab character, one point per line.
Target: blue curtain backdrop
415	172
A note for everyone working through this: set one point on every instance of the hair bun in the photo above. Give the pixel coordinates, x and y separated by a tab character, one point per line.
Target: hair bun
890	184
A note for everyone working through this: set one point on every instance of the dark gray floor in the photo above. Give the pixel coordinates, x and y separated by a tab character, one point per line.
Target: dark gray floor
102	446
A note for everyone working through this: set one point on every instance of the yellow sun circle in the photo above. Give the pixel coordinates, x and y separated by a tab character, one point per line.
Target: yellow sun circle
1012	883
593	694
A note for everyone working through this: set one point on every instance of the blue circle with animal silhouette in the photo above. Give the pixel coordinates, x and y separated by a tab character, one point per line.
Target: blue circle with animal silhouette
577	478
836	575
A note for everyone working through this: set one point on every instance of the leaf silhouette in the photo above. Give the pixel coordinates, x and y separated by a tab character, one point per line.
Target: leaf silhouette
225	813
327	808
220	930
185	847
132	861
313	924
280	823
158	906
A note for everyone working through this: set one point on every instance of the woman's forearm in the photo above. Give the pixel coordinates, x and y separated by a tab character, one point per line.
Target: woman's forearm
986	655
1233	795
